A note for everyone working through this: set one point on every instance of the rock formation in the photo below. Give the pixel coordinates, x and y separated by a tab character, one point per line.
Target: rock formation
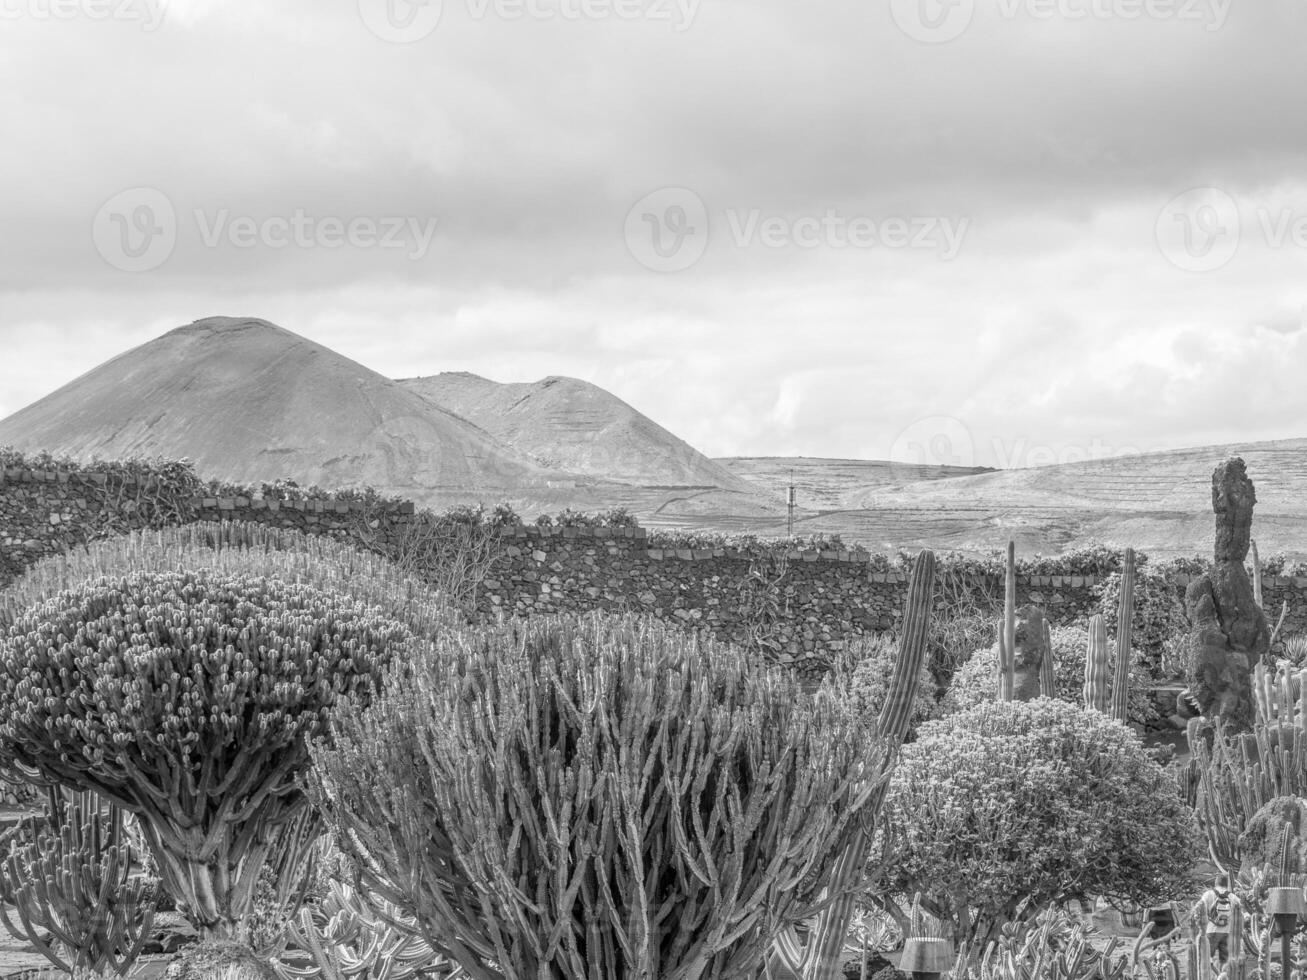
1229	633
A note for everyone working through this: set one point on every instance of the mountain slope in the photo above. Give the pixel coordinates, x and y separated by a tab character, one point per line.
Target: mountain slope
569	424
248	402
1171	480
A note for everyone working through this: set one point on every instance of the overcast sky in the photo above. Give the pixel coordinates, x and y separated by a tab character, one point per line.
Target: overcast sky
1001	231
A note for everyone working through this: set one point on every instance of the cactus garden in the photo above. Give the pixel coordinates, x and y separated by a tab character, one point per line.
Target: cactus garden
306	754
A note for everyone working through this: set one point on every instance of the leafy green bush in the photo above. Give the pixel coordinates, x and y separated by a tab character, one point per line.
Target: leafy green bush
1038	800
1159	615
871	662
975	683
596	798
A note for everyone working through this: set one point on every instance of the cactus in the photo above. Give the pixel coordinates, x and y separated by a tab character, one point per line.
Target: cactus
597	797
1096	661
1257	575
819	957
1007	629
1236	965
1125	617
1047	669
1047	947
69	878
213	676
345	939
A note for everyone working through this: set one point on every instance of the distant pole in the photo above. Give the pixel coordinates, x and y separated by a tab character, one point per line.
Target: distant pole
790	500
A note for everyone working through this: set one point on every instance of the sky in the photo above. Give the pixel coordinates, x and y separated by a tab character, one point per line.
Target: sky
993	232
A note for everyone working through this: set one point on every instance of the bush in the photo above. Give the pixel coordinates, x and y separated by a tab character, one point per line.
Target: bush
186	690
1036	800
1159	615
596	797
872	662
975	683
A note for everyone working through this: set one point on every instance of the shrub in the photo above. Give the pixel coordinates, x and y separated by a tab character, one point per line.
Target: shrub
599	797
872	660
974	684
1037	800
187	694
1159	615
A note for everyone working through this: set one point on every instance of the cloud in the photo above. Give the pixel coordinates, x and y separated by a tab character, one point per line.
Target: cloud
1052	145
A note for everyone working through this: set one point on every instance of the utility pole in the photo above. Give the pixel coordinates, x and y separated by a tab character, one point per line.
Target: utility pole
790	498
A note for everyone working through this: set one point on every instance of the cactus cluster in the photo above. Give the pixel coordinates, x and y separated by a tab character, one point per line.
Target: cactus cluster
68	879
345	938
597	797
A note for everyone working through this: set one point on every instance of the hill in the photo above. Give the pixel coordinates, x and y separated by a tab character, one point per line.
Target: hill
249	402
572	425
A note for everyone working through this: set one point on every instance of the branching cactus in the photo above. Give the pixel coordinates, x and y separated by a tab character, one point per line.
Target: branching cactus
1125	618
1096	665
188	696
599	797
345	939
68	879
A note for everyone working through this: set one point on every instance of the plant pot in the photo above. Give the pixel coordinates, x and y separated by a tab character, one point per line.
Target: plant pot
924	954
1285	901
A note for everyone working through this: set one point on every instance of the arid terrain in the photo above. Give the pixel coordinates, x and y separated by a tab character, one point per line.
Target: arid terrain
250	402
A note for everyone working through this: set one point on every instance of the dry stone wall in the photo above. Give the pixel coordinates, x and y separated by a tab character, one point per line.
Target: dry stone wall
824	599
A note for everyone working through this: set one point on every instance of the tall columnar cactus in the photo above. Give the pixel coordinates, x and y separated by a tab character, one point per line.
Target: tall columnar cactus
818	958
1047	669
1007	629
69	879
1096	665
1236	970
1125	617
1257	574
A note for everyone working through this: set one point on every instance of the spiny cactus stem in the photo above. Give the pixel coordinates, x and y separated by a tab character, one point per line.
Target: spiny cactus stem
1125	617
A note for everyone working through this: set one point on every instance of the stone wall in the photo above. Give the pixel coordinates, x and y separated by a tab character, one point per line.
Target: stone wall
824	598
